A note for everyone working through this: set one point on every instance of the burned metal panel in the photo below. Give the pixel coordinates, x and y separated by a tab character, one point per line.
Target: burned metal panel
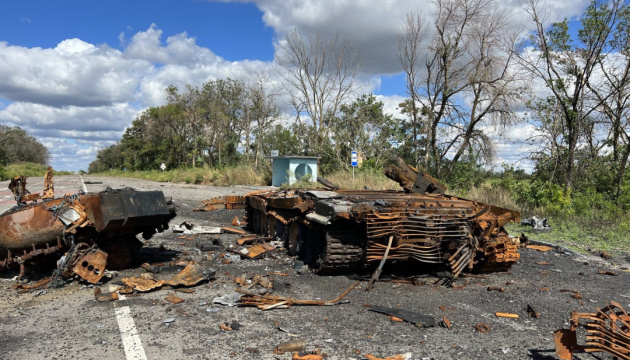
128	209
27	226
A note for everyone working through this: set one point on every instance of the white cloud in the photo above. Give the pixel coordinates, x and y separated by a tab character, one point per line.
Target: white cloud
373	24
78	97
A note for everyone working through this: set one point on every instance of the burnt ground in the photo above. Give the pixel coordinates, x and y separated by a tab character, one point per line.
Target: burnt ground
69	323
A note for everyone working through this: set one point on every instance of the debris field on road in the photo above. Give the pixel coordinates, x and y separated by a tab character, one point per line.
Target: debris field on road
243	295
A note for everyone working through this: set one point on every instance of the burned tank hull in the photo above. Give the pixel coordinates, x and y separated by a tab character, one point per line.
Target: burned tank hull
93	224
344	229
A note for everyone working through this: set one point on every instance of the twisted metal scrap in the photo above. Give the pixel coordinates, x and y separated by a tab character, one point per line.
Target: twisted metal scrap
267	302
607	330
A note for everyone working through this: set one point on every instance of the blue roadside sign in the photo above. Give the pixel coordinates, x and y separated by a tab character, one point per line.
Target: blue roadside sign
353	158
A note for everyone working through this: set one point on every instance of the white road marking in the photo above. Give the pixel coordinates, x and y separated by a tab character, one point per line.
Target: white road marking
83	183
129	333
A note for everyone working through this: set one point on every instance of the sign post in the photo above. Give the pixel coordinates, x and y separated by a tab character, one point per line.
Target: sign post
353	162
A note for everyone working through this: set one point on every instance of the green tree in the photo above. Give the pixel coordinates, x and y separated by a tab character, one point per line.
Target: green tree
362	126
567	65
16	145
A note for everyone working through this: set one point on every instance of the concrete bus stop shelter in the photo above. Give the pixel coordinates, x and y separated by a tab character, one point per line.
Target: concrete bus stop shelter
289	169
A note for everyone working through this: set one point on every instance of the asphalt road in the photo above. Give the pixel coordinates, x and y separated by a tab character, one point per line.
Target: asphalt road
68	323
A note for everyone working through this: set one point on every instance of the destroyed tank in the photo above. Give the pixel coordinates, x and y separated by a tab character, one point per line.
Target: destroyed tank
338	230
95	230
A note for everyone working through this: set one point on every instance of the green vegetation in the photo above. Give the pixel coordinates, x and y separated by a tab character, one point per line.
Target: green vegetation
27	169
226	176
460	100
582	220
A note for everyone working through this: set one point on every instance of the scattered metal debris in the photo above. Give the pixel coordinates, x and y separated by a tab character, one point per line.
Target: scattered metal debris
233	230
192	229
506	315
308	355
482	328
446	322
174	299
230	299
405	356
607	272
224	202
191	275
290	346
543	248
234	325
531	312
538	225
607	330
267	302
406	315
105	297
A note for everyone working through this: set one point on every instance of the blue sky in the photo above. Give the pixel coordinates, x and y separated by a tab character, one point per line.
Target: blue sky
76	73
46	23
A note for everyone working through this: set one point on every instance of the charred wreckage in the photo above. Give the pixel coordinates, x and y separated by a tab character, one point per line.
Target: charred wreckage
91	231
336	229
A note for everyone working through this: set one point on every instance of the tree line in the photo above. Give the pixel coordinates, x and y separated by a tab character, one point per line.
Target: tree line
470	73
16	146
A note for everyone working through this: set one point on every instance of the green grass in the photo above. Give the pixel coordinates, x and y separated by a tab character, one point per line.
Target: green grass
591	231
237	175
29	170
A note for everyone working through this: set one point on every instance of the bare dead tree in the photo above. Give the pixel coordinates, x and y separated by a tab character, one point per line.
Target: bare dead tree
263	110
410	36
467	78
320	74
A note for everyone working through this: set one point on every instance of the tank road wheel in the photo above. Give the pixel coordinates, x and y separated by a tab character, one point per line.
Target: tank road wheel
264	226
255	222
294	238
249	213
121	252
271	225
338	248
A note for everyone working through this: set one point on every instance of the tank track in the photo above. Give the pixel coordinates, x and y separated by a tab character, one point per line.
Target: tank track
344	250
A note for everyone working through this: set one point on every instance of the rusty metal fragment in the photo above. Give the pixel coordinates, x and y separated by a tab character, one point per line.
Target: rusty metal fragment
506	315
233	230
308	355
91	266
219	203
532	312
290	346
191	275
543	248
482	328
406	315
49	189
607	330
267	302
105	297
446	322
174	299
